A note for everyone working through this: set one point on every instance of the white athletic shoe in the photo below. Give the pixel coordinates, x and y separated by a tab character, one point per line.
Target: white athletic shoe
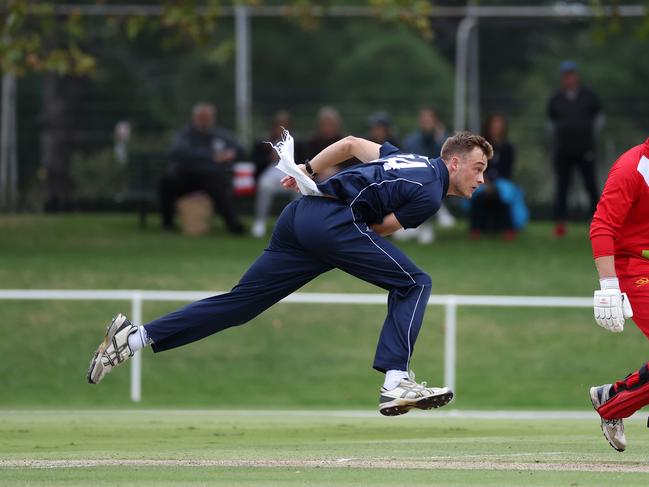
405	234
613	429
258	229
113	350
425	233
444	217
410	394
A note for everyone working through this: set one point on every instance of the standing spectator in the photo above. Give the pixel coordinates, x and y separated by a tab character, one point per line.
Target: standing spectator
427	141
381	129
498	204
201	158
269	177
574	113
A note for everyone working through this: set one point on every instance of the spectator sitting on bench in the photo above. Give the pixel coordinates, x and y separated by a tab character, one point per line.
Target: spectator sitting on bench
498	205
201	158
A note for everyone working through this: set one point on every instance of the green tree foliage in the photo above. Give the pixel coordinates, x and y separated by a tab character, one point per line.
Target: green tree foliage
151	69
518	82
47	36
44	36
34	40
357	65
394	70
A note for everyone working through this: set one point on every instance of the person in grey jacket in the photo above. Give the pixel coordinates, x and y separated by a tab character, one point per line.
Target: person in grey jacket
427	140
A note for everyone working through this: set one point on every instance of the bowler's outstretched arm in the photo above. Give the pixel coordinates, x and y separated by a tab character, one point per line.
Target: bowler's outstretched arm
362	149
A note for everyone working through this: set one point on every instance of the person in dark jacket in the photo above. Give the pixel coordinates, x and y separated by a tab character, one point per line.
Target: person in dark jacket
490	212
574	113
201	159
381	129
328	131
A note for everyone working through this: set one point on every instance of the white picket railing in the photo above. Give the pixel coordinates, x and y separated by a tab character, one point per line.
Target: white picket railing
449	301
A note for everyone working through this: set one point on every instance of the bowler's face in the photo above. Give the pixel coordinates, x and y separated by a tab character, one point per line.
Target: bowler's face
469	174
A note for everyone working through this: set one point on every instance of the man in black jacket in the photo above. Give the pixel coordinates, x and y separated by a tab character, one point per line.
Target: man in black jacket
201	156
574	113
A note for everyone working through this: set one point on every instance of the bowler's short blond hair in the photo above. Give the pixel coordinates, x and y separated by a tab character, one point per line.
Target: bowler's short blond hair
463	143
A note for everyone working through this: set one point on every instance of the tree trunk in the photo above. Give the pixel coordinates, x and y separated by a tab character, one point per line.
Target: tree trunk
63	98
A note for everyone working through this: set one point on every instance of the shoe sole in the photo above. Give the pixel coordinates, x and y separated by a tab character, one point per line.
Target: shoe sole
402	406
595	400
111	329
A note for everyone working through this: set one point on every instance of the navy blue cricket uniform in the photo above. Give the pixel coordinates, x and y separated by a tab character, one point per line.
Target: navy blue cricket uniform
316	234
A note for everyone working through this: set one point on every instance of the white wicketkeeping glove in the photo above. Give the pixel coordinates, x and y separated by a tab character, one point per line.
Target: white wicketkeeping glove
611	306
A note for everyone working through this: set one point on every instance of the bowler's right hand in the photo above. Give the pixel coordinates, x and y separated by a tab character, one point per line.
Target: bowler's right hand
289	182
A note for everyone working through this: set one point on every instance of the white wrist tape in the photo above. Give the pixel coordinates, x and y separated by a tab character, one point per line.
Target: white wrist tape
609	283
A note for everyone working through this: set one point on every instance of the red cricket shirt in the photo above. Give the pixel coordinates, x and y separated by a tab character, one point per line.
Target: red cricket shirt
620	225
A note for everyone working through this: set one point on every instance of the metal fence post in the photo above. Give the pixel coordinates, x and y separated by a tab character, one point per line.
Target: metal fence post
136	362
243	69
462	47
450	328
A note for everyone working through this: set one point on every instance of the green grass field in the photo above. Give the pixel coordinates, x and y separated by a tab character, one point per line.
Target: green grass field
78	448
110	252
296	356
214	412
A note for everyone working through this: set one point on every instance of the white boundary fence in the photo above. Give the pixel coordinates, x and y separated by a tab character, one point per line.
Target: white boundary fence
449	301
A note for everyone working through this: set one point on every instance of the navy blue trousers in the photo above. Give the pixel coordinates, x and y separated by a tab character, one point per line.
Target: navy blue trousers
313	235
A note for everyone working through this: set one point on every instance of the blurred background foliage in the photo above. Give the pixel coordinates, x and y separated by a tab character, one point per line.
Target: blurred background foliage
82	75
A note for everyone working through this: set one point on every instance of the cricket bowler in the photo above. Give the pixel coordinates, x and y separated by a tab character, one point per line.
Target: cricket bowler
619	235
343	228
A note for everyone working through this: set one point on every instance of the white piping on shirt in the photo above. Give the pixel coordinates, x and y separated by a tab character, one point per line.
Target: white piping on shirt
354	218
412	318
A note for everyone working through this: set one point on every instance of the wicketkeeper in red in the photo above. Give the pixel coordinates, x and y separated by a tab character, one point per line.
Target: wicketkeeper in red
619	235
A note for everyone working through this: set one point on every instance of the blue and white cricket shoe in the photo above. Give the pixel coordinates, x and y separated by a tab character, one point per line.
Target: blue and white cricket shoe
410	394
113	350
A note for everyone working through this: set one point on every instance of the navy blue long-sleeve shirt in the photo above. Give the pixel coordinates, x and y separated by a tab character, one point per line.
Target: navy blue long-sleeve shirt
409	185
